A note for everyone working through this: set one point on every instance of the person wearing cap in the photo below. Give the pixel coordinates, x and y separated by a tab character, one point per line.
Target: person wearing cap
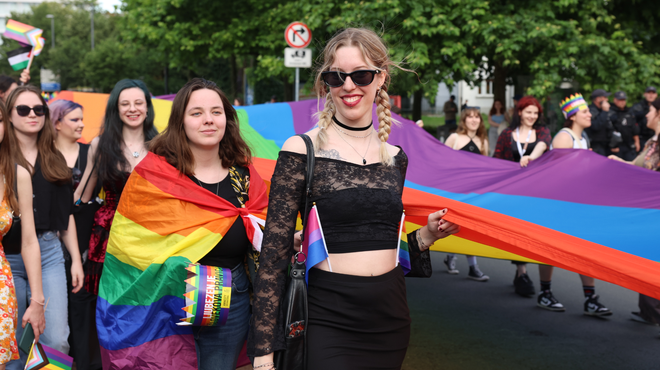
572	136
640	110
625	124
601	129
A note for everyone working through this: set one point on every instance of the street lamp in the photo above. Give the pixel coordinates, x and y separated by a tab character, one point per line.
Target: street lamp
52	29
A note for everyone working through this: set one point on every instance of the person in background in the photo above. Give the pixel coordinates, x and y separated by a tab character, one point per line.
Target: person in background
508	116
31	128
470	137
578	118
527	123
273	99
16	193
640	110
127	127
495	119
8	84
450	109
238	102
67	118
649	158
601	130
624	122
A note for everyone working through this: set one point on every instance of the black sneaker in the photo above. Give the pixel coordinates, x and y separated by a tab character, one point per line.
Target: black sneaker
548	301
450	261
476	274
594	308
524	285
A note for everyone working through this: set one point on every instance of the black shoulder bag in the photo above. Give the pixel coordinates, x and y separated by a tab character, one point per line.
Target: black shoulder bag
11	242
294	302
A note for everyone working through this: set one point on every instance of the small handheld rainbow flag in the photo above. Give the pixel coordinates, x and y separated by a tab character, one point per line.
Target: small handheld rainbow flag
403	252
314	245
44	357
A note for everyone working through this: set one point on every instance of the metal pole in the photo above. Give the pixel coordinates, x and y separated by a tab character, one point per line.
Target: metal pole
52	31
92	26
297	82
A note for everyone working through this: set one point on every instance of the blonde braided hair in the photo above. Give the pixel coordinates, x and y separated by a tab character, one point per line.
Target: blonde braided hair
384	125
374	51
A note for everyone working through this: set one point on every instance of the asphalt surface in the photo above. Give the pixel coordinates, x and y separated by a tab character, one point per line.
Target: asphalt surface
459	323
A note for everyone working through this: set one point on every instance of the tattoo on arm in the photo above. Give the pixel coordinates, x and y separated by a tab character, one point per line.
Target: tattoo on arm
332	153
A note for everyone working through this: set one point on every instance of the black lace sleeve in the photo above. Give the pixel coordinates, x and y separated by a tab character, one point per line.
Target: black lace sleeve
266	334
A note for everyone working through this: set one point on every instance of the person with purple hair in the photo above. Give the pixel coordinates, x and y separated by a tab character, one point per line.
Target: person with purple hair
67	119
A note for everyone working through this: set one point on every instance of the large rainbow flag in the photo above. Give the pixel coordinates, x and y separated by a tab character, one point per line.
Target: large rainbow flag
163	223
570	208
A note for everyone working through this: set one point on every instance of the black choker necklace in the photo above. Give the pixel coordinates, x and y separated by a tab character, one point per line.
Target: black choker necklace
350	128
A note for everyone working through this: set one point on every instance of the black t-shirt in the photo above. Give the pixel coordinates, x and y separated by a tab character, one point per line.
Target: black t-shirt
52	203
230	251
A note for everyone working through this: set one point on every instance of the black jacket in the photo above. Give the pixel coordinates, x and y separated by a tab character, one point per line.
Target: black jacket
624	122
640	110
601	128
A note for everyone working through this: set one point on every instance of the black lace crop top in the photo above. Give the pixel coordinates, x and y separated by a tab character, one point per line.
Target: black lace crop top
359	207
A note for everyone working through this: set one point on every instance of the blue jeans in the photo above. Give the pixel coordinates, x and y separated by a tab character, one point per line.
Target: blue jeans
54	284
218	347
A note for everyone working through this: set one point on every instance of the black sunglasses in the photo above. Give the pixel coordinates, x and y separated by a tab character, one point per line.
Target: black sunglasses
362	77
24	110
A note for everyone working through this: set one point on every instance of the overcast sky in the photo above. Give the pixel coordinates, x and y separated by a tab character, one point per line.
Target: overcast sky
109	5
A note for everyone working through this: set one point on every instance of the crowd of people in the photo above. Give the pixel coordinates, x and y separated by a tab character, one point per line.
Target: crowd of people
622	133
50	178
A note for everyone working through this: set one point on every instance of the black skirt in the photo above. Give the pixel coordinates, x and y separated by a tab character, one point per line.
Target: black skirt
357	322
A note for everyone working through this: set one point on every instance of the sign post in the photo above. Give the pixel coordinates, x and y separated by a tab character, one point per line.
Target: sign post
298	36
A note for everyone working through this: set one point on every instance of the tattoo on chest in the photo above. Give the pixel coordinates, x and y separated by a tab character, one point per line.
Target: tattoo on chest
332	153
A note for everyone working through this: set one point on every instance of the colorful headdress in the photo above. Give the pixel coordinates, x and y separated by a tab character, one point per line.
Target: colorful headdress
573	104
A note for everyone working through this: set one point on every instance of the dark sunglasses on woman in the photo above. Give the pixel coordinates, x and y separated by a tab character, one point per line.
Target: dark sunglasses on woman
362	77
24	110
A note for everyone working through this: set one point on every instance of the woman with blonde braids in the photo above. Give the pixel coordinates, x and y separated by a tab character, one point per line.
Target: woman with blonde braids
358	313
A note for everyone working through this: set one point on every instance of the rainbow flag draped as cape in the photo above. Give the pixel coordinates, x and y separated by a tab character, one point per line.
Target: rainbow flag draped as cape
163	223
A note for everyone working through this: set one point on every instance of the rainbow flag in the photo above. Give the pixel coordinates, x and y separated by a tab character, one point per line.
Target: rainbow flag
43	357
314	245
566	208
403	251
21	32
164	222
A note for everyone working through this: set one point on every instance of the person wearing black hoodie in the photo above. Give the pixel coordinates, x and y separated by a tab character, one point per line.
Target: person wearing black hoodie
625	123
600	132
640	110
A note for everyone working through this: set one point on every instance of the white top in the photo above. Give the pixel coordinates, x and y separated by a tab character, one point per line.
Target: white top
577	144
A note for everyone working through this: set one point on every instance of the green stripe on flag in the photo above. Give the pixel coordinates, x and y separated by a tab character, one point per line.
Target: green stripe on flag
261	147
122	284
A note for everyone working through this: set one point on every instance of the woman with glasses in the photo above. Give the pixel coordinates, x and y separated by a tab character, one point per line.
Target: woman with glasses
358	313
31	129
127	127
13	200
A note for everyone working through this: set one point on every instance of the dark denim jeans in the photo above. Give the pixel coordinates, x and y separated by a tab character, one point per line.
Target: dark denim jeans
218	347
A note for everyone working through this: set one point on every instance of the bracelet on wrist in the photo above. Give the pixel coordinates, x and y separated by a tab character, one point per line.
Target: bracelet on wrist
267	364
37	302
422	246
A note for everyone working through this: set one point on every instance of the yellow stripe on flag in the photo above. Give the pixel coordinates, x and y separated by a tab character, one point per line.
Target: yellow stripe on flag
147	247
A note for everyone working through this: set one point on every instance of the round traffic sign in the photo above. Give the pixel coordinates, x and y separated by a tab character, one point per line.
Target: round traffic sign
298	35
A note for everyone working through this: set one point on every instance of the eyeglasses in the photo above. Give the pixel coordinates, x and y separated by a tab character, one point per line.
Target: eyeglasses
362	77
24	110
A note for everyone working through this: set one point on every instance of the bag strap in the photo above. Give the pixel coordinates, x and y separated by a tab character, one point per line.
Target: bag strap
309	176
85	187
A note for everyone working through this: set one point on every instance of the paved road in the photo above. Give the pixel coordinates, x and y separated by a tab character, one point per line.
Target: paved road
462	324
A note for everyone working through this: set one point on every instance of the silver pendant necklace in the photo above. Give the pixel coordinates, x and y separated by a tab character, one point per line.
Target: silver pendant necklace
364	157
217	188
